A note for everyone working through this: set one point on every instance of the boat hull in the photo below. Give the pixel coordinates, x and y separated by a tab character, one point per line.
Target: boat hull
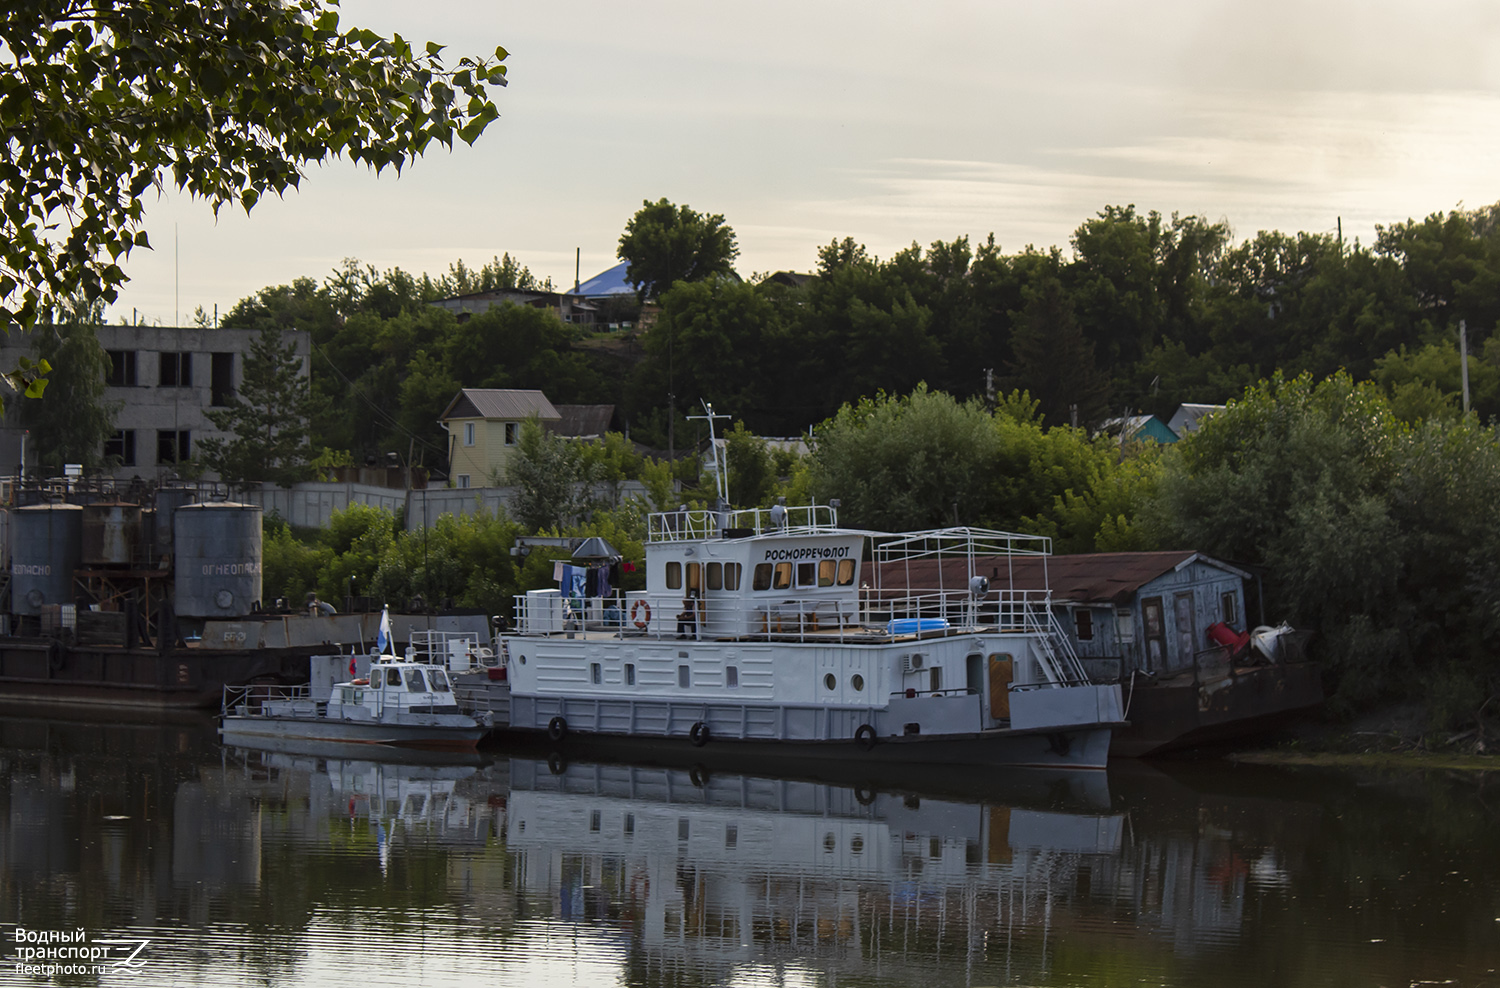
36	671
250	730
1170	716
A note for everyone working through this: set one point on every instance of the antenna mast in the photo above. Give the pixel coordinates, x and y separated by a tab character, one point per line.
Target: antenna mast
721	457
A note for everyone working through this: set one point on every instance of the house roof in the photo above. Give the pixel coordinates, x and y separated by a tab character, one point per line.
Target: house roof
1085	578
607	283
1187	418
583	420
1139	427
500	403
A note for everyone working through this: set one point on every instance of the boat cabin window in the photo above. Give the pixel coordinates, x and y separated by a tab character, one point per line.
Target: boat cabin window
438	679
674	576
846	572
695	576
762	580
393	677
414	681
731	576
825	573
807	574
715	576
783	578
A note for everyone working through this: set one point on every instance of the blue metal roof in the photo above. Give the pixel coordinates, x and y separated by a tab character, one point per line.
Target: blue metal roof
607	283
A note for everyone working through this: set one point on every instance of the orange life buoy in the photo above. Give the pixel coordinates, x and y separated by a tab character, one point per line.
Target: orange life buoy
635	614
360	682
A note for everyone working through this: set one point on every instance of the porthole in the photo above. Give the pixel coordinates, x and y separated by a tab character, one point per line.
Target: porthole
858	682
831	681
523	660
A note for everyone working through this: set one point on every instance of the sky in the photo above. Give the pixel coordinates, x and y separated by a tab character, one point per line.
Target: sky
890	123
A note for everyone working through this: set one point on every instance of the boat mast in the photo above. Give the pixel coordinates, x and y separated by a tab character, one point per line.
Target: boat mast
721	457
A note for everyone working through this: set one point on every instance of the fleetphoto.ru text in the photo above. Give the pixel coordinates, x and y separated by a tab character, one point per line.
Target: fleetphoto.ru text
50	953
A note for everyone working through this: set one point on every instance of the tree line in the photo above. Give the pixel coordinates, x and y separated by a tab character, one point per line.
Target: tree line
1143	313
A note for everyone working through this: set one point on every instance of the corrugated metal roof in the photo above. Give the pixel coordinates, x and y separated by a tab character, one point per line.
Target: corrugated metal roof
584	420
1094	577
500	403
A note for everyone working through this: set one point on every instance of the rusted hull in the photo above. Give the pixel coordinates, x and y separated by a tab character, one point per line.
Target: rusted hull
39	672
1168	716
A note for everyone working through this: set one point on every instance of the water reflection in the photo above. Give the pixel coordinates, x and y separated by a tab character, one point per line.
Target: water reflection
267	867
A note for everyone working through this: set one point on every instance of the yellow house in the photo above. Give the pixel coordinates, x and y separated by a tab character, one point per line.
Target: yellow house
484	425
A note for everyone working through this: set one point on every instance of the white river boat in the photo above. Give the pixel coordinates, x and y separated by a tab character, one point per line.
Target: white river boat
401	702
775	630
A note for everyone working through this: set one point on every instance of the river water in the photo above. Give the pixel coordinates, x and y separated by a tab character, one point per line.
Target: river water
166	859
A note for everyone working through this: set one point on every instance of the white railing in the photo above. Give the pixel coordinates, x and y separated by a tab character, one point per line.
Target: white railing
683	526
767	615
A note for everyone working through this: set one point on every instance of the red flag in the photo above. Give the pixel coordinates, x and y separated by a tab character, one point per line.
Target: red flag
352	666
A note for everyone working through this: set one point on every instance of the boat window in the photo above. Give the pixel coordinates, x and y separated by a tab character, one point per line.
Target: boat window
783	576
595	673
414	682
684	676
731	576
935	675
695	576
807	574
846	572
732	677
831	681
762	576
825	573
630	674
715	576
858	682
393	677
439	680
674	576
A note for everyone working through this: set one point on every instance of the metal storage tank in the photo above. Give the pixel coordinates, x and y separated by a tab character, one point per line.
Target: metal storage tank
46	546
111	533
217	559
168	500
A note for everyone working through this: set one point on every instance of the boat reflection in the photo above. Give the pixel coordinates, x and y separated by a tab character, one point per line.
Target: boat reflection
732	870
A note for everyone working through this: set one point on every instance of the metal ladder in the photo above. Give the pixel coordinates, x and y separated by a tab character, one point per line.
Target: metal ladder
1056	652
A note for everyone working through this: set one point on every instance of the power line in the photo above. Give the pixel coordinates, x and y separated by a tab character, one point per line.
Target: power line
379	412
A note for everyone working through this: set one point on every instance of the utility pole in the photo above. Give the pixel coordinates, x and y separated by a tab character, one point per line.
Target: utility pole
1463	361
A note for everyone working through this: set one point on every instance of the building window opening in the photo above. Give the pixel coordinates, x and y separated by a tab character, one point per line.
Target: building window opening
1084	620
173	446
176	370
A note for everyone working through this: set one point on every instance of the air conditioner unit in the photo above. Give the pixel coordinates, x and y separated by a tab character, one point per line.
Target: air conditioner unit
913	662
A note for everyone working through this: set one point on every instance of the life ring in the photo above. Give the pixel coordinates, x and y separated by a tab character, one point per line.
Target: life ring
635	612
557	729
698	775
556	763
698	734
359	682
864	795
864	736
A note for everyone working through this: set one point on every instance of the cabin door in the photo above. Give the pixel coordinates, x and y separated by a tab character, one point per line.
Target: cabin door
1002	670
1183	626
1154	634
